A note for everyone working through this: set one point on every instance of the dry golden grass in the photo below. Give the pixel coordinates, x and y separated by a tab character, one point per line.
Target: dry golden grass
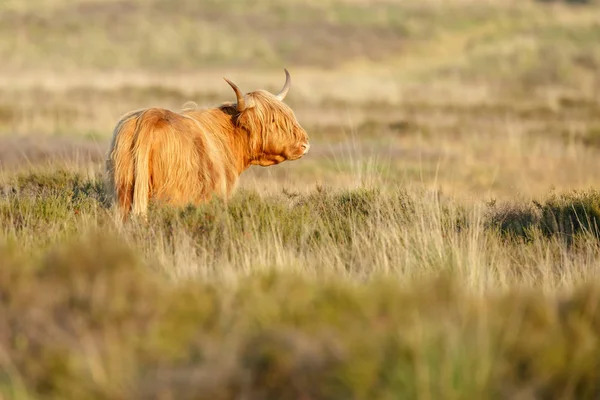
321	295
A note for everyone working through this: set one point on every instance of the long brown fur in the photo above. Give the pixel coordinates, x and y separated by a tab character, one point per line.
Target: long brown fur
188	157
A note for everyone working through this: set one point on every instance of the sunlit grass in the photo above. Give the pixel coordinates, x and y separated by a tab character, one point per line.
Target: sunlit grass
328	294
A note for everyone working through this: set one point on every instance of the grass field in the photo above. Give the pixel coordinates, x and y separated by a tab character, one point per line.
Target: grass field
441	240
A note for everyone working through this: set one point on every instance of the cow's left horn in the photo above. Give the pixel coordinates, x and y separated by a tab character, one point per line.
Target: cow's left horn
286	87
241	103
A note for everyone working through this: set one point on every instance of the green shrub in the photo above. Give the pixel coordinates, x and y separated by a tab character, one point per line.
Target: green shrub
571	214
512	220
566	217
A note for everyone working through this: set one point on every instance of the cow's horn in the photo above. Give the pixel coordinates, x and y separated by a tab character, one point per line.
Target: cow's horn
241	103
286	87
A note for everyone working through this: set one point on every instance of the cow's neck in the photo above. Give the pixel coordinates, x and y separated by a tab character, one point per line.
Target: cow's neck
239	145
234	140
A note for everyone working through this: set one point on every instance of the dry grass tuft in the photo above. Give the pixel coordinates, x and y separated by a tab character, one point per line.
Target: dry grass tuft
88	319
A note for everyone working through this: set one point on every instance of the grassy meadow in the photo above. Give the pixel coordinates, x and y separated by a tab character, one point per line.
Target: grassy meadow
441	239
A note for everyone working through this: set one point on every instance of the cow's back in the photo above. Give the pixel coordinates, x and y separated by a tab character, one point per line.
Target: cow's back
185	165
171	157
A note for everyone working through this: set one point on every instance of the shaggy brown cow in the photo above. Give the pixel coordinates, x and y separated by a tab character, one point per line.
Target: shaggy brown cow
187	157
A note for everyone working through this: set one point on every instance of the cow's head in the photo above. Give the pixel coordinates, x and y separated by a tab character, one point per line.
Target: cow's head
274	132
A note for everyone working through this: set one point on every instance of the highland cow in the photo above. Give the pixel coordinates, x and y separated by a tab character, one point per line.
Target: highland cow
189	157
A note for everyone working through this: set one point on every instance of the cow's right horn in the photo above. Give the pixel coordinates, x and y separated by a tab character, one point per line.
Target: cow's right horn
241	103
286	87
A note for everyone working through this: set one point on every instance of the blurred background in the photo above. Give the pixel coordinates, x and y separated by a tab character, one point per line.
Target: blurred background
477	99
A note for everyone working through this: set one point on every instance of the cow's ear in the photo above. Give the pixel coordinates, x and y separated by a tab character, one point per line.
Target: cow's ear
250	103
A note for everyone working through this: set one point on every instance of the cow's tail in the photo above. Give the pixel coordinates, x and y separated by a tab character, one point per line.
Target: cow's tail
148	124
120	163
